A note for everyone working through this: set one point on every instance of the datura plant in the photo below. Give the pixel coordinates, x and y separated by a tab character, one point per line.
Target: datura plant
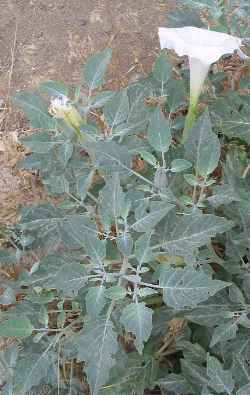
133	276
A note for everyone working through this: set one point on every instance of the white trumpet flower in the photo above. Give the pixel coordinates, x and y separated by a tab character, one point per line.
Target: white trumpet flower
203	47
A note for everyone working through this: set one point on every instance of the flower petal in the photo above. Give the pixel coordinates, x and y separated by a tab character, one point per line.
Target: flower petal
206	45
198	73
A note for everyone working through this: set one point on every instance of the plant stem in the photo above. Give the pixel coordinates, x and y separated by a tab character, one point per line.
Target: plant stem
123	270
189	121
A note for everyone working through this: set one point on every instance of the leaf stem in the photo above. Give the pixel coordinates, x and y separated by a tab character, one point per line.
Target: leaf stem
92	197
202	191
155	286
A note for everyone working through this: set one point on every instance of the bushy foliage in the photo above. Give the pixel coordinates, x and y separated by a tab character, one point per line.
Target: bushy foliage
136	276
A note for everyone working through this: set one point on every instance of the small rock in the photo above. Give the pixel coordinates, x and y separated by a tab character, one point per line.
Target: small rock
82	22
135	77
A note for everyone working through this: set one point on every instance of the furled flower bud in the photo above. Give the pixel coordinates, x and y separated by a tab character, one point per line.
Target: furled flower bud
62	108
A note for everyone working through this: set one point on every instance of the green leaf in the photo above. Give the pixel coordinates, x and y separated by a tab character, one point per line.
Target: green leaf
203	146
116	110
176	95
110	157
101	99
223	194
195	375
84	182
57	185
112	198
220	380
236	295
125	243
71	277
193	231
142	248
69	228
36	110
95	248
41	143
148	157
16	327
176	383
240	356
95	301
116	293
91	129
224	332
187	287
162	69
231	115
65	152
97	344
206	391
159	135
138	112
31	370
192	351
245	390
54	88
137	318
191	179
148	221
95	68
178	165
208	315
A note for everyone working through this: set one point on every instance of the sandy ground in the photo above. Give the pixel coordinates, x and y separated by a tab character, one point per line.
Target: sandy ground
51	39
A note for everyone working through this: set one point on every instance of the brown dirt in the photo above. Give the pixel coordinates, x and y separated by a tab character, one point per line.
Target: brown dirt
51	39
